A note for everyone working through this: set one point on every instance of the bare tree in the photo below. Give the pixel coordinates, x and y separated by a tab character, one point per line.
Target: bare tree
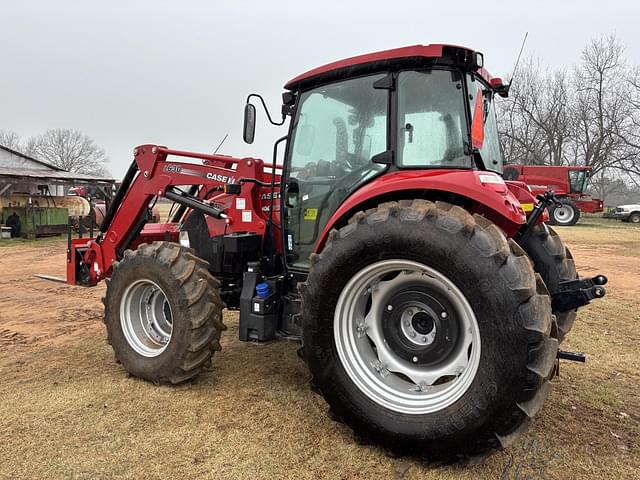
589	115
630	166
10	140
534	125
521	139
601	111
69	149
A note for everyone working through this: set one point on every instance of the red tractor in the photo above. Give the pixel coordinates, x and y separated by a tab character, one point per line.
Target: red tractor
568	185
429	306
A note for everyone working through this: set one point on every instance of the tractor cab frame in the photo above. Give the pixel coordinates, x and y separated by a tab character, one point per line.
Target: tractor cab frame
410	112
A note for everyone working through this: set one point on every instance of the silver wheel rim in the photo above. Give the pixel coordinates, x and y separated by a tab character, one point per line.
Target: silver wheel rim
372	361
563	214
146	318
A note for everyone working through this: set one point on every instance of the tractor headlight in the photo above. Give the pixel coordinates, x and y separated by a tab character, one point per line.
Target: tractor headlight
184	239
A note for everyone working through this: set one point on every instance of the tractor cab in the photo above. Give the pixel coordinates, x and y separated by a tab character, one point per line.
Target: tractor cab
415	108
578	179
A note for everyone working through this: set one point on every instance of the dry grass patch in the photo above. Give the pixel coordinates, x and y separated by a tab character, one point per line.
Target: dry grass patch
68	410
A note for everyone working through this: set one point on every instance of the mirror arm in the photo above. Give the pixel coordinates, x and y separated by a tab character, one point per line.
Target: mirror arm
264	105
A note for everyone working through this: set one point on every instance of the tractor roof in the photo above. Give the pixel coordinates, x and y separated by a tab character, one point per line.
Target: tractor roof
405	57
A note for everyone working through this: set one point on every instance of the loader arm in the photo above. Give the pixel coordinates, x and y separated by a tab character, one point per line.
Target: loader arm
152	175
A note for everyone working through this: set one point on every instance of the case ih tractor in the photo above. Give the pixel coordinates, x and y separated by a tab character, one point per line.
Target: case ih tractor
567	183
429	306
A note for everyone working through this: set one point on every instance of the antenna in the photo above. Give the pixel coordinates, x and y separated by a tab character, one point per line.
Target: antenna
220	144
515	68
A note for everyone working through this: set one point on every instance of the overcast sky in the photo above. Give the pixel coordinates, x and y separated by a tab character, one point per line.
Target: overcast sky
177	72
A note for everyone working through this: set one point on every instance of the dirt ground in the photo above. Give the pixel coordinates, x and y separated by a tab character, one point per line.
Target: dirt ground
68	410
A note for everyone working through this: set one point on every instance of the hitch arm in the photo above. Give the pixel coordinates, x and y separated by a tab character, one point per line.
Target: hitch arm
543	202
571	356
577	293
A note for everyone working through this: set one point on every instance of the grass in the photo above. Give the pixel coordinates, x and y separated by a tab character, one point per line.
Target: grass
596	231
68	410
71	412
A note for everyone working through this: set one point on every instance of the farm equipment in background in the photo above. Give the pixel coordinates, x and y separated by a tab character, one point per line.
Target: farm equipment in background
98	198
629	213
430	307
567	183
40	215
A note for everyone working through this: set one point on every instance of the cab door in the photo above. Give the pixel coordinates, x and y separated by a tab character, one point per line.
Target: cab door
337	130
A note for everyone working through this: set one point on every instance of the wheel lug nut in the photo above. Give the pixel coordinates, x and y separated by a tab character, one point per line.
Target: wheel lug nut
412	334
444	315
424	339
389	307
415	359
407	323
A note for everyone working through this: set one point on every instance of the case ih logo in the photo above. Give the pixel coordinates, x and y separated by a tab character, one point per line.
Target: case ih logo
267	196
220	178
209	176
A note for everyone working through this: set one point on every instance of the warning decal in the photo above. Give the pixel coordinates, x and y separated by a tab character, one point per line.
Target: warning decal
310	213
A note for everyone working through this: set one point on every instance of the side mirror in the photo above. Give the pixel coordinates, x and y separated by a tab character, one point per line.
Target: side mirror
249	128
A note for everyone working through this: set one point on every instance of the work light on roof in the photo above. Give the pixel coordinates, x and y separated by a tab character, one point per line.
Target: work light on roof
478	59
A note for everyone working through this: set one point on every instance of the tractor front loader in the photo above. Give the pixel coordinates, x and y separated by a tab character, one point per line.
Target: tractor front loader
429	306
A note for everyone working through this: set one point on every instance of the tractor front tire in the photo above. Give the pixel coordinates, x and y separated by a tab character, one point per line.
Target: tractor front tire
163	313
564	215
554	262
427	331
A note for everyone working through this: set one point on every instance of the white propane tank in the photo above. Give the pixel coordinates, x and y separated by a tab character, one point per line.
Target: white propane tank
77	206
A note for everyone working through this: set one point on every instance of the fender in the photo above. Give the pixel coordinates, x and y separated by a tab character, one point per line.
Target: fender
526	197
486	191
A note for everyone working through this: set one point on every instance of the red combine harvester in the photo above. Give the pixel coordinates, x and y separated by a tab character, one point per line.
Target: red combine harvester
429	306
567	183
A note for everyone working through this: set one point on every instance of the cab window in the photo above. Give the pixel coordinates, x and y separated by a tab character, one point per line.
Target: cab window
491	151
432	123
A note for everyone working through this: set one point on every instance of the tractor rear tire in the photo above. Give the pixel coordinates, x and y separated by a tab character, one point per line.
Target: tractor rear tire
450	258
566	215
163	313
554	262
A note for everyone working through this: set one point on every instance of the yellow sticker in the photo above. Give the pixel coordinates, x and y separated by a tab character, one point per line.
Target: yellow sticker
310	213
527	207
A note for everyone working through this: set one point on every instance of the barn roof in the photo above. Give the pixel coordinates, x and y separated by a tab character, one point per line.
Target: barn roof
60	175
27	157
